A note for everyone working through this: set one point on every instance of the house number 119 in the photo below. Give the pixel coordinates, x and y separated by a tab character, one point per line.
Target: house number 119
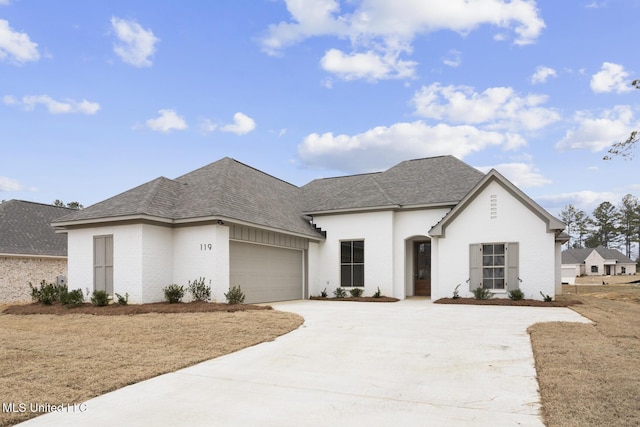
206	246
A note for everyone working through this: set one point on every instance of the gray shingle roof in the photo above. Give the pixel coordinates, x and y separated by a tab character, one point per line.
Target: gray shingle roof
226	188
579	255
230	189
429	181
25	229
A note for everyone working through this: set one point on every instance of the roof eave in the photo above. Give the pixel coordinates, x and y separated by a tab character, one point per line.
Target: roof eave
62	225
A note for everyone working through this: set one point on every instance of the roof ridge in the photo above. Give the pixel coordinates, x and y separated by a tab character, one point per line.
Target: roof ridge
225	161
347	176
384	193
38	203
156	192
262	172
150	195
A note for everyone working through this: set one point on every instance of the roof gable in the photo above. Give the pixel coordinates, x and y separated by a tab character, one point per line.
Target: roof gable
25	229
553	224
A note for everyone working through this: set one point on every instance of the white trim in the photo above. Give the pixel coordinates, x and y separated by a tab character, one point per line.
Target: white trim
61	227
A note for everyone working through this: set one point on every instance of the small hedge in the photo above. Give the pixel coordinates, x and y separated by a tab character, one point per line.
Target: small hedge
173	293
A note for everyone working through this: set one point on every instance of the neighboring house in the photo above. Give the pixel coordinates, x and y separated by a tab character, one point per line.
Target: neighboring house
30	250
421	227
598	261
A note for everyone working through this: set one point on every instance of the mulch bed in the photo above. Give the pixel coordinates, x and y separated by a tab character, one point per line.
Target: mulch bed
115	309
359	299
508	302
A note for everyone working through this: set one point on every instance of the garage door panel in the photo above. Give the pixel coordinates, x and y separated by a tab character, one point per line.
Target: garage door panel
266	273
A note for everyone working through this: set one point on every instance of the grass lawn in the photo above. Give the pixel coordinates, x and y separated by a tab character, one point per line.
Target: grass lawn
589	375
54	359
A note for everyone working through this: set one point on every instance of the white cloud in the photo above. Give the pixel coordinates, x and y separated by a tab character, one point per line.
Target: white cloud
381	31
381	147
542	74
166	122
4	2
137	45
16	47
523	175
598	133
369	65
311	18
611	78
453	58
595	5
8	184
496	107
208	126
68	106
585	200
242	124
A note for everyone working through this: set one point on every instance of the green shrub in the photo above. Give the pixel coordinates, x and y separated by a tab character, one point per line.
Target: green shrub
47	293
323	294
547	298
356	292
456	293
173	293
377	294
482	293
516	295
122	300
199	291
73	298
340	293
100	298
235	295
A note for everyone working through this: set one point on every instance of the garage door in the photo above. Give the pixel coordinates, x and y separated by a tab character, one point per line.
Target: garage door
266	273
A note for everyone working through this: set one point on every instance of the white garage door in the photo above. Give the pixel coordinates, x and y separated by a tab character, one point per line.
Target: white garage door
266	273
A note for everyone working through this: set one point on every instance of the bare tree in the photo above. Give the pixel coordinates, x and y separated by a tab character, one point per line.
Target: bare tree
624	149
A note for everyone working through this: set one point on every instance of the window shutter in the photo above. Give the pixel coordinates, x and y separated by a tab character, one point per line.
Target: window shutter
475	266
513	281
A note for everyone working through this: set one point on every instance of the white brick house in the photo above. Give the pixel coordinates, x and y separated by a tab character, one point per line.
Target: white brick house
410	230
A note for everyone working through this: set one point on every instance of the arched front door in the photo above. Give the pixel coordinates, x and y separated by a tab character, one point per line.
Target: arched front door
422	267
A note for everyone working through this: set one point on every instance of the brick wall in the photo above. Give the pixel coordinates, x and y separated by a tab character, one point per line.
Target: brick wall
16	273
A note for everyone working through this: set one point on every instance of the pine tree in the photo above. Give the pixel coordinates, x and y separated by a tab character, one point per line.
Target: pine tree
629	221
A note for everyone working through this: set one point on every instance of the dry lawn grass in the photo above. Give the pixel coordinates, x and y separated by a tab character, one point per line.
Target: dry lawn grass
49	358
589	375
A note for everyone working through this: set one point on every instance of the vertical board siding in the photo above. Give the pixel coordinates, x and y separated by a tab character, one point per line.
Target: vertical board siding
255	235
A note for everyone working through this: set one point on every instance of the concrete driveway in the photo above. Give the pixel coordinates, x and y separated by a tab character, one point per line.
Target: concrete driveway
411	363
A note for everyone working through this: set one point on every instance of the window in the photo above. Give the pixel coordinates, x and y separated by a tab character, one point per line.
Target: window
594	268
494	266
352	263
623	270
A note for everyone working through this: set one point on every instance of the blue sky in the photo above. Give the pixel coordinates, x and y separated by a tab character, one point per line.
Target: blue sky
99	97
